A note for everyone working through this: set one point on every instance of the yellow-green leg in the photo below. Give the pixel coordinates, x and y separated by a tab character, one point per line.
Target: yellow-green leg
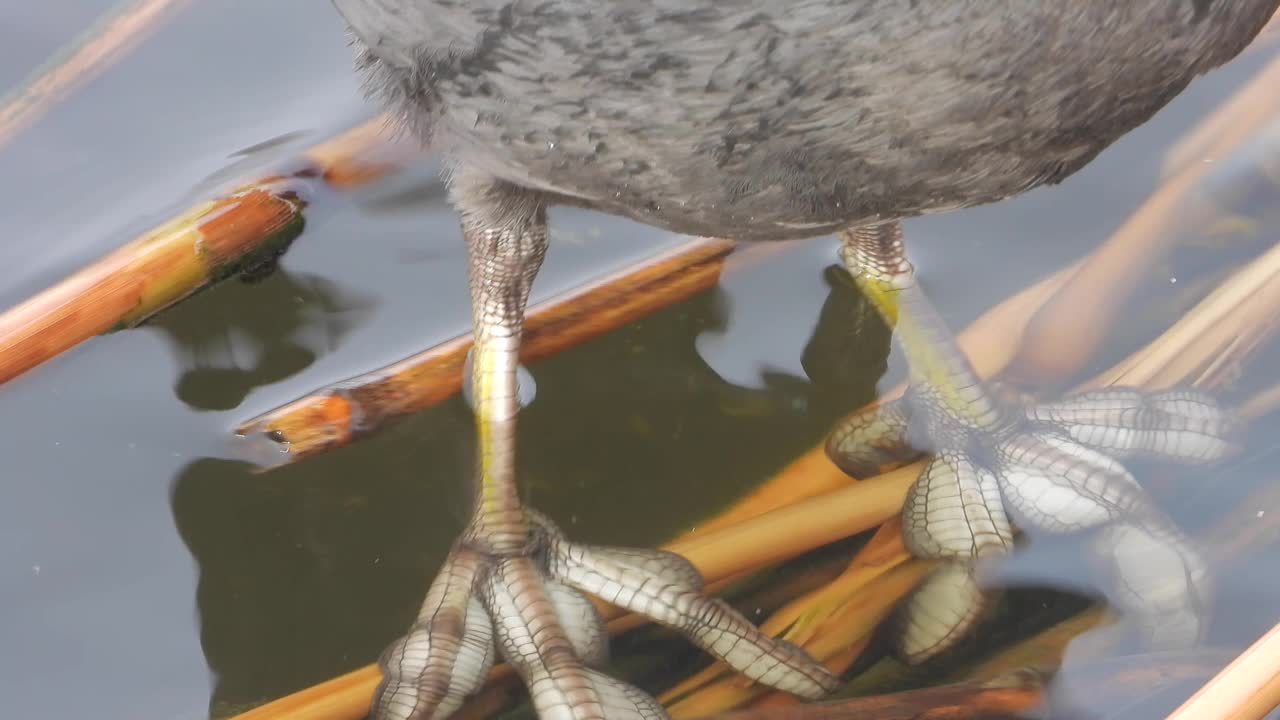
1049	467
513	582
506	236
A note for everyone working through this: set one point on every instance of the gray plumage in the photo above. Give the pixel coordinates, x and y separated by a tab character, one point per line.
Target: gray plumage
758	119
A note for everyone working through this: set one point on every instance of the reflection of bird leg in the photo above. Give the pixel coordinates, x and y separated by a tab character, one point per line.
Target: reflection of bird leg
1050	467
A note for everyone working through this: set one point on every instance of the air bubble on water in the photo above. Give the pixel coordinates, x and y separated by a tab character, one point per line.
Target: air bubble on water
528	389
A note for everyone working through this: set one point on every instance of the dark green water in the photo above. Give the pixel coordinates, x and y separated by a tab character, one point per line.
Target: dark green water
145	573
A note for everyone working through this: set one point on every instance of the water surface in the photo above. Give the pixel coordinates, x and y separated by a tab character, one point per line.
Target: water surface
145	572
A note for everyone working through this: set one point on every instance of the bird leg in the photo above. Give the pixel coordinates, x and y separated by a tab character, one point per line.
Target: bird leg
513	582
999	461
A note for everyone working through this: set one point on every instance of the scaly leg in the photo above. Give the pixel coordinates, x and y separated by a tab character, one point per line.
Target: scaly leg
1049	467
513	579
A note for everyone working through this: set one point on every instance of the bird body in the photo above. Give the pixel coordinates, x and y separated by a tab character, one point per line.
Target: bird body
763	119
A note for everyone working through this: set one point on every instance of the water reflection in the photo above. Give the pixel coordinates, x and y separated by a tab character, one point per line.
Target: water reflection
838	366
329	558
247	335
302	575
851	344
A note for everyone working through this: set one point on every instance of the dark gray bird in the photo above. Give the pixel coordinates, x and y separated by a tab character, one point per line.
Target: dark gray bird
764	120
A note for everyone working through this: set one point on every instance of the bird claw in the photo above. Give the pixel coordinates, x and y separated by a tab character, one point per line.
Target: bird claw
532	607
1056	469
